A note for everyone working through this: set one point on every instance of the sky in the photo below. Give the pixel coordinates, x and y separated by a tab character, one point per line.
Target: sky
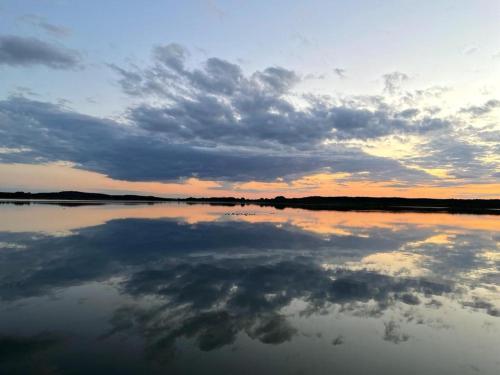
251	98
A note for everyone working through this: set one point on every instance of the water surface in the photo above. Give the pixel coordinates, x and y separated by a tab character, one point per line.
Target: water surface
176	288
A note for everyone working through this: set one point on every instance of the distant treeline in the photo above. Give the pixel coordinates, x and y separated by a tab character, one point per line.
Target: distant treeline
491	206
368	203
78	195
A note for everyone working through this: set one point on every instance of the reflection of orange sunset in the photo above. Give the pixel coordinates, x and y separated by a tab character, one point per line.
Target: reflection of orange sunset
39	218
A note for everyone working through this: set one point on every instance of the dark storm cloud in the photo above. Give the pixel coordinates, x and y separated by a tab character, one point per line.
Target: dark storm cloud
24	51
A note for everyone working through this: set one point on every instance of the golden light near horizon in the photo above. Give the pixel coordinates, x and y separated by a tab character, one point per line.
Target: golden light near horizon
62	176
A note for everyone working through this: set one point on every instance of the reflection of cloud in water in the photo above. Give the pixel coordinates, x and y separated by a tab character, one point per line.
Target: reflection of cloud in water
212	302
339	340
102	251
440	239
394	263
211	278
392	333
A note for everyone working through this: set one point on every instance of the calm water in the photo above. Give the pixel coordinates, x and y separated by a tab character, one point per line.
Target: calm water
168	288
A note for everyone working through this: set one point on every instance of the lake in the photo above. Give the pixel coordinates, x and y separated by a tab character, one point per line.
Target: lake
184	289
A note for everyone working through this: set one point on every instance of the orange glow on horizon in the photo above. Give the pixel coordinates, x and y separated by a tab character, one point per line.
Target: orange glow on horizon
60	176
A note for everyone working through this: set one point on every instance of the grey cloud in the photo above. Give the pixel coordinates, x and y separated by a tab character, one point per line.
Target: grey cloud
492	136
129	80
172	56
277	79
409	113
42	23
218	103
393	81
458	151
216	122
465	160
489	307
339	72
54	29
51	133
470	50
219	77
481	110
22	51
209	120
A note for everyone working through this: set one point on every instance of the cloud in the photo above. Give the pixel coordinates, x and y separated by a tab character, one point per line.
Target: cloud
392	333
489	307
24	51
339	72
155	148
49	28
393	81
481	110
339	340
172	56
215	9
470	50
463	159
217	122
218	103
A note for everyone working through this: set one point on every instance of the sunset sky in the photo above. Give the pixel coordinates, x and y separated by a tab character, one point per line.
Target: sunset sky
251	98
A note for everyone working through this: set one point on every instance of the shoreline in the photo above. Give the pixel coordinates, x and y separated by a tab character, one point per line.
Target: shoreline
376	206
